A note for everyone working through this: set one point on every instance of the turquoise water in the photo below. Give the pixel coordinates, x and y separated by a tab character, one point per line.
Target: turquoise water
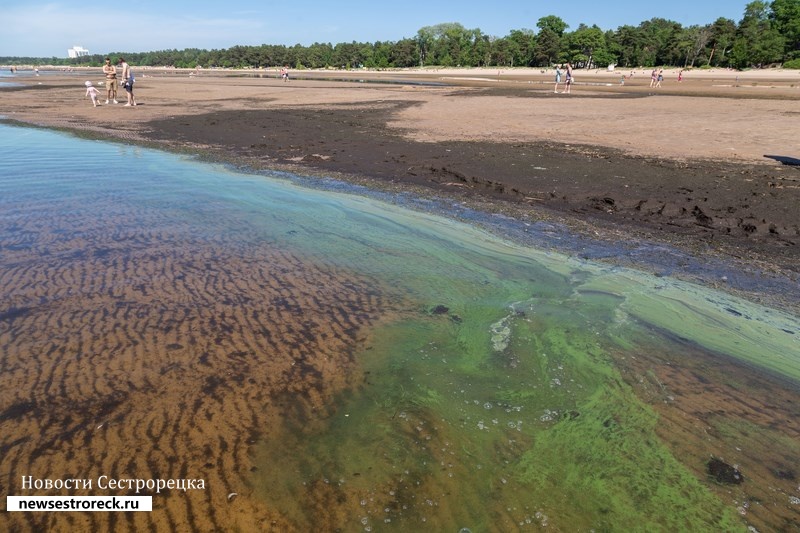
503	387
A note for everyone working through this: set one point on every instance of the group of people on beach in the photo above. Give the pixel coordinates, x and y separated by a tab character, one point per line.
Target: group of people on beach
656	77
567	81
110	72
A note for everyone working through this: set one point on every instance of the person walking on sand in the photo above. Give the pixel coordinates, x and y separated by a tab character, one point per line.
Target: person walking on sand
558	78
569	80
285	73
127	81
653	78
660	77
111	81
92	92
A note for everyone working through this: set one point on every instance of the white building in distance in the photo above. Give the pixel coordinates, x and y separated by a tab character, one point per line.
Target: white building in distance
77	51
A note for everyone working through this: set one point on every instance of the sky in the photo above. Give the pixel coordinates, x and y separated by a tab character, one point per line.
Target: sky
32	28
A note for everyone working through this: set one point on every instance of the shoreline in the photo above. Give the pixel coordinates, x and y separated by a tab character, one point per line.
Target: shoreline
754	280
374	135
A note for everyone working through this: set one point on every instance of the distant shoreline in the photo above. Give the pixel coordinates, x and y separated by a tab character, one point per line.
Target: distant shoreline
754	74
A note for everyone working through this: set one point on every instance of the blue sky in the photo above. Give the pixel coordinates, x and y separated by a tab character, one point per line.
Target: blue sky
45	29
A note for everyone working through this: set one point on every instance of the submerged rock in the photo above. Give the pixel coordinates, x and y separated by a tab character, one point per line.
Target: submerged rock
722	472
440	310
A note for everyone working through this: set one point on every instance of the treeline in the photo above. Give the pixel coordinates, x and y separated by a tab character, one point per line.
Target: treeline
768	34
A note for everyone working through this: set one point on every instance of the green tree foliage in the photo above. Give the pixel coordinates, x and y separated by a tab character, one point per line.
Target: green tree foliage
404	53
723	33
757	42
630	45
785	18
552	23
449	44
768	34
659	36
548	45
349	55
547	49
692	44
584	44
424	42
523	44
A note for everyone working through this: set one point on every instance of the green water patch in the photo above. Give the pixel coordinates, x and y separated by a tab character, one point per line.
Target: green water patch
452	430
761	337
606	470
441	262
494	405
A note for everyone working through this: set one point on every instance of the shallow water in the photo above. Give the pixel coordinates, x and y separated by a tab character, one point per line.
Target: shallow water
6	75
338	362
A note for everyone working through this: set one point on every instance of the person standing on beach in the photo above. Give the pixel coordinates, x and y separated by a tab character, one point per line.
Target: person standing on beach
127	81
653	78
111	81
568	81
558	78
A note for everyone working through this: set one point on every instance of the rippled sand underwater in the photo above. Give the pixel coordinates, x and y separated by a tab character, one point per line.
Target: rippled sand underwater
328	362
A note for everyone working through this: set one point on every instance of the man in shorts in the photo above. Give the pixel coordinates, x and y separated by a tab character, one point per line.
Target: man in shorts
127	81
111	81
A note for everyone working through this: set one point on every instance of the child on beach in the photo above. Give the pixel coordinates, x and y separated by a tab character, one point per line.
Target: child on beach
92	92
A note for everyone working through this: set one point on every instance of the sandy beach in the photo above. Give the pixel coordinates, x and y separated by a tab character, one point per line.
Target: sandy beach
708	164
